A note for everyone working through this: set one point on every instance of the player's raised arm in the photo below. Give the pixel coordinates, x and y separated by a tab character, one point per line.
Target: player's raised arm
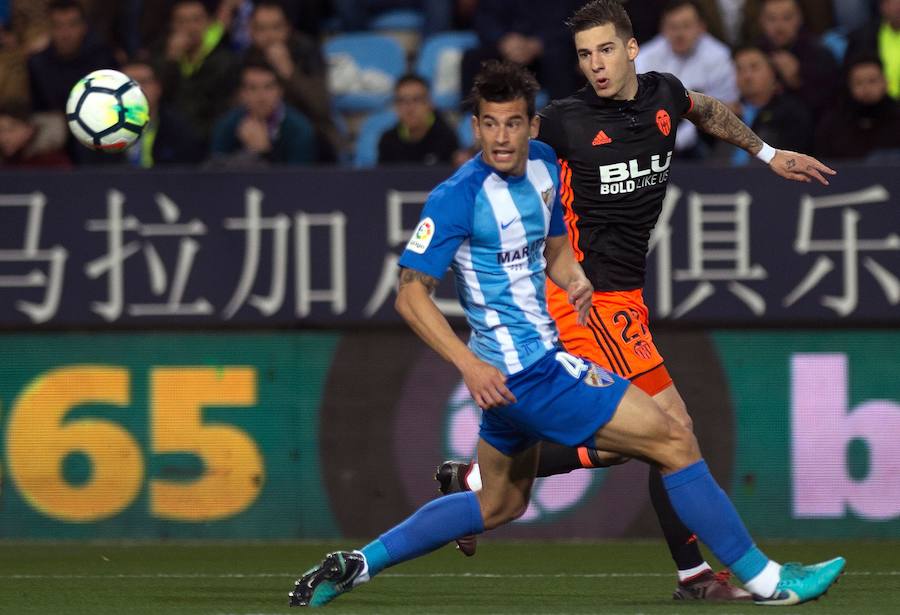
415	304
566	273
714	117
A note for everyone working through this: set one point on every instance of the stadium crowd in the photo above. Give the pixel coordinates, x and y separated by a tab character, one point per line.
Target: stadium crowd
244	83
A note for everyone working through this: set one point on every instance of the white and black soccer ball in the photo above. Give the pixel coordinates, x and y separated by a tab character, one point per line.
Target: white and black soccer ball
107	111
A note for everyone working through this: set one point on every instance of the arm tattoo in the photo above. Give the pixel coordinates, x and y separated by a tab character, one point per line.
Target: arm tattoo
712	116
791	163
408	276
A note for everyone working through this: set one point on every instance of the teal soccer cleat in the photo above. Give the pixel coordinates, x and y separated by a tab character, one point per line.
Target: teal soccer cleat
802	583
338	573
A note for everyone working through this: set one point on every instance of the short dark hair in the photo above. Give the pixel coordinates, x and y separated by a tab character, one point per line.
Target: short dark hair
17	110
599	13
270	4
57	6
862	58
257	64
176	3
411	78
503	82
675	5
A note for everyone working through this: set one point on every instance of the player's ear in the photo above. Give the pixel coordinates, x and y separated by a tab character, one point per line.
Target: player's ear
535	127
632	49
476	128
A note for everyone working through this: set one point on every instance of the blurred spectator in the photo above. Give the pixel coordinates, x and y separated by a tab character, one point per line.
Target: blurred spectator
29	22
28	140
421	136
805	67
354	15
72	54
866	120
531	34
168	137
198	71
817	16
300	67
852	14
645	17
881	37
685	49
263	129
13	69
779	119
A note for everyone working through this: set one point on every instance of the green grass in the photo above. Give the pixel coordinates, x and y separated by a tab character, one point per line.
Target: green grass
200	578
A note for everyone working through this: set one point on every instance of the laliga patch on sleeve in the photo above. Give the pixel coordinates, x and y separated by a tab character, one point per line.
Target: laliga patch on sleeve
418	243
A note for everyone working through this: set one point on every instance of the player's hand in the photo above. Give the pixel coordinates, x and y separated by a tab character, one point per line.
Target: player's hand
788	67
487	384
254	135
279	56
580	294
177	45
800	167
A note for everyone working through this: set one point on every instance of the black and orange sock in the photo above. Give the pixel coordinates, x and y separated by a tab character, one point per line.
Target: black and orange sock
682	541
557	459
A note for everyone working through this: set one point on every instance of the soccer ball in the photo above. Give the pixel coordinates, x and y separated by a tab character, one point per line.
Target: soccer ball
107	111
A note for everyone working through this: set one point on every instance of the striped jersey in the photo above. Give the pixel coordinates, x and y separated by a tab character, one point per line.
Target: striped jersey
490	228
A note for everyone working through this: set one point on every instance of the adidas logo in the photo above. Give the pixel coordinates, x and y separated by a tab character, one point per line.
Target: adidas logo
601	139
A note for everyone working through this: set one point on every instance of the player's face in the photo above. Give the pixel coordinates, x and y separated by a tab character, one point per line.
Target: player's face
269	27
413	105
755	75
607	62
67	31
504	128
890	10
781	21
260	93
14	135
683	28
190	20
867	84
143	75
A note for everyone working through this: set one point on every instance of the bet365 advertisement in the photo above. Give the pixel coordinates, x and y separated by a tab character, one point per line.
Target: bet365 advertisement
300	434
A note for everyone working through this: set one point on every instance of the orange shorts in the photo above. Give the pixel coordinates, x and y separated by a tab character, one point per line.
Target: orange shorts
617	336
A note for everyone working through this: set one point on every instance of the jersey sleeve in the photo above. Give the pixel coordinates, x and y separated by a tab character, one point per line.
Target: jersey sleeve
557	224
680	94
445	223
551	130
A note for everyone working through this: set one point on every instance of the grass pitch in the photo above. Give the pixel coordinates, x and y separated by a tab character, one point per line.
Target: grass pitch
254	578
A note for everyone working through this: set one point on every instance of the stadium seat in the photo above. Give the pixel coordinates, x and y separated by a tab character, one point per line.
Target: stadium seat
398	20
439	63
836	42
362	69
464	133
369	134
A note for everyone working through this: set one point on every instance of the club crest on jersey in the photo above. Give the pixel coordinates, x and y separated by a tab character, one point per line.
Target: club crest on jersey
547	197
598	377
664	122
420	240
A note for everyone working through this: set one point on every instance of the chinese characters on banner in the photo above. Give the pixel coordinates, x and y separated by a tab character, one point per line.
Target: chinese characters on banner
281	249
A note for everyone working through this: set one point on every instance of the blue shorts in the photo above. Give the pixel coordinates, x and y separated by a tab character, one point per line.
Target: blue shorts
561	398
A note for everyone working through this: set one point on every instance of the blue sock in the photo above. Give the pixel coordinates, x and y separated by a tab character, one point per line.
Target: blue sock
429	528
705	509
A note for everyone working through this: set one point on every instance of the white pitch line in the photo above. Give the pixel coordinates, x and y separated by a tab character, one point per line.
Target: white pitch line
433	575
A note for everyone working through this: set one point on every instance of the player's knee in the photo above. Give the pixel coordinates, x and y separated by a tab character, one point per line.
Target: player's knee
684	448
495	513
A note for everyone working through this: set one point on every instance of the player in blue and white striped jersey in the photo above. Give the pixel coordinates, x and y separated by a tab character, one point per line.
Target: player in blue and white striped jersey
497	223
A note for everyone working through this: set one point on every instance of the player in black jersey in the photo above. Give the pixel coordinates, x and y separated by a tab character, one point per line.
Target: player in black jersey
615	139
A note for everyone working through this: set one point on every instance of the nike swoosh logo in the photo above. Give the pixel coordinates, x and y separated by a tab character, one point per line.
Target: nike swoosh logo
505	225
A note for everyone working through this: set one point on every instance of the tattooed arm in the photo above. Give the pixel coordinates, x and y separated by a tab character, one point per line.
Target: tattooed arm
712	116
415	305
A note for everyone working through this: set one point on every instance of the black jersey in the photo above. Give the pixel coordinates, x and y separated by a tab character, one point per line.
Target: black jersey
615	157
